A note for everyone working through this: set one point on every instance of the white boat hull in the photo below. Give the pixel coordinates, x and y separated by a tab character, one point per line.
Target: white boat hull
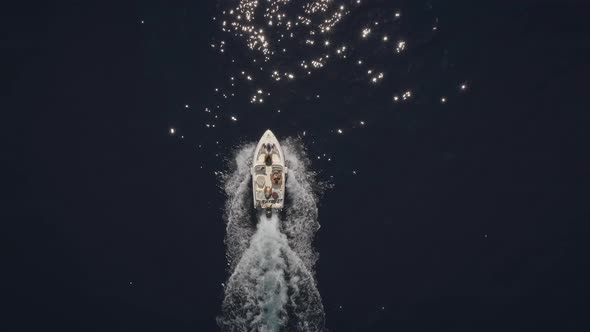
268	174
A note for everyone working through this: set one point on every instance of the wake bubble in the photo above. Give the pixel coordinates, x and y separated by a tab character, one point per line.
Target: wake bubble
301	223
272	285
239	204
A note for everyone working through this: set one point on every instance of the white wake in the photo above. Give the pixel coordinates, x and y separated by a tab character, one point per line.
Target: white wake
271	286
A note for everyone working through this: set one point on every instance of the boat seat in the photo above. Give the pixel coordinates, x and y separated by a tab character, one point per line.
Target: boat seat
275	158
260	181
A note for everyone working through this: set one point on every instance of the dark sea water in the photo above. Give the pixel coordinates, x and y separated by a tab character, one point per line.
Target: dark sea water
464	213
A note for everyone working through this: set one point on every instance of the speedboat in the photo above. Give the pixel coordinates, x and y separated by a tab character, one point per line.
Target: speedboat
268	175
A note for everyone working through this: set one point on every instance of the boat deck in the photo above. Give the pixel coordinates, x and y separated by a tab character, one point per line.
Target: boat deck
268	178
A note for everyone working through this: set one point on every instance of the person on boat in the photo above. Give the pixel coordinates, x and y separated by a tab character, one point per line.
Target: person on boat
276	177
267	192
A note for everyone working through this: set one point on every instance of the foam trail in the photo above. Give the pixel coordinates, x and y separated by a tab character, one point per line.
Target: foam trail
301	223
271	287
239	203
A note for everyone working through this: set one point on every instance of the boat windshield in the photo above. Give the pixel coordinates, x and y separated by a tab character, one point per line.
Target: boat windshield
260	169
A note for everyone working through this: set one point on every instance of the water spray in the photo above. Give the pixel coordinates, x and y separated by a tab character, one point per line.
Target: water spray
271	258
